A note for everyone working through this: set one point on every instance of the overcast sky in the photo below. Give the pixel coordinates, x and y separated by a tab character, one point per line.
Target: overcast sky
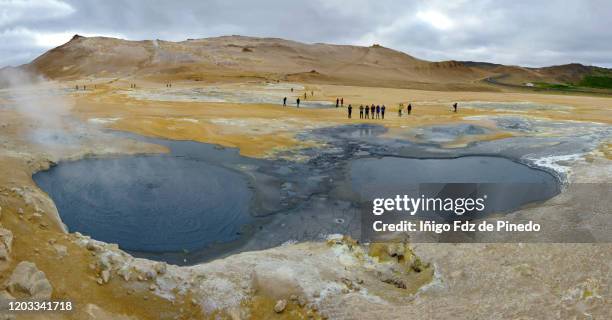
530	33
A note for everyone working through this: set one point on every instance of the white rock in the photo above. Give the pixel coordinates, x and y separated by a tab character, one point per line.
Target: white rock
27	279
161	268
4	255
280	306
6	243
92	246
105	276
396	249
61	250
124	272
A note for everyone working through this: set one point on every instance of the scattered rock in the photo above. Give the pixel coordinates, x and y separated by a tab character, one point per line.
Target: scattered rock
396	282
150	274
6	243
92	246
396	249
105	276
161	268
125	273
27	279
61	250
348	283
280	306
20	211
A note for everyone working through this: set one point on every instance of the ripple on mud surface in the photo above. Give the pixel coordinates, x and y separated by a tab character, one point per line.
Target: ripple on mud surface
152	203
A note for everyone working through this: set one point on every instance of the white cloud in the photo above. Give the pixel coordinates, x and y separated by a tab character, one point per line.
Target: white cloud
21	44
435	19
510	32
20	11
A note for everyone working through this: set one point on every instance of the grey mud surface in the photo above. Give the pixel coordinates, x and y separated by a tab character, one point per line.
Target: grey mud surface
281	201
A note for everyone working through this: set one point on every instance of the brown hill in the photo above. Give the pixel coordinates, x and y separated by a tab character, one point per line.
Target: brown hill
273	58
237	55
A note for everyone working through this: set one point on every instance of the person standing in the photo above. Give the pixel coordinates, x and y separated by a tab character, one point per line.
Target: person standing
455	106
342	102
298	102
305	96
399	110
350	111
337	102
372	109
361	111
409	108
382	111
284	101
367	112
377	111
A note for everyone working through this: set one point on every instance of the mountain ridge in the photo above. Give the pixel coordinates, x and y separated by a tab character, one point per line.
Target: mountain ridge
234	56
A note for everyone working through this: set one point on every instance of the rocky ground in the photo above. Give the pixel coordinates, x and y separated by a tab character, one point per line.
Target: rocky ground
336	277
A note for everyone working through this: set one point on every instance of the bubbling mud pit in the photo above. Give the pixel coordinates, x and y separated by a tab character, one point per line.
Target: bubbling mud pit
202	201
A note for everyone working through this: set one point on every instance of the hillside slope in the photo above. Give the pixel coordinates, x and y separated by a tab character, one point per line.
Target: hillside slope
98	56
273	58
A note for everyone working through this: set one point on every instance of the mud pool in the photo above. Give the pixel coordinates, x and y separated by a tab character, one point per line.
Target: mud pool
202	201
507	185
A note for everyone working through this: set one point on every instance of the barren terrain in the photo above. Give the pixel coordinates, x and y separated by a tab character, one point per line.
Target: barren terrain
228	91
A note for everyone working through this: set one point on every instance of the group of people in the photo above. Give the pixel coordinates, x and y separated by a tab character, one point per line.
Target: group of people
340	102
298	100
378	111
